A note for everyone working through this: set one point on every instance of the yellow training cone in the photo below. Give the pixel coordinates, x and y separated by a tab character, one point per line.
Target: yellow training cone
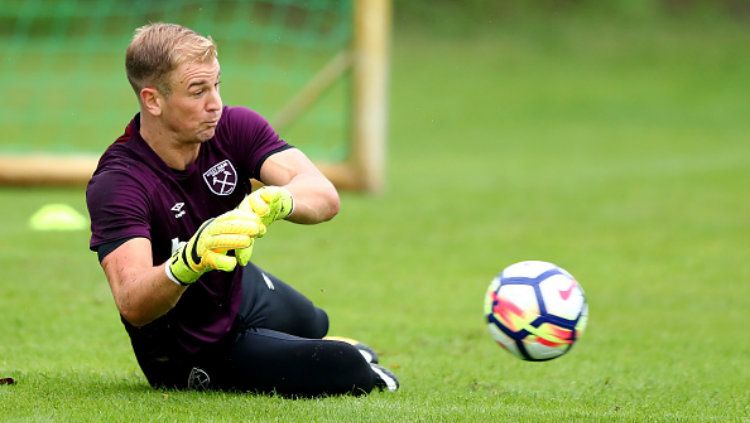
57	217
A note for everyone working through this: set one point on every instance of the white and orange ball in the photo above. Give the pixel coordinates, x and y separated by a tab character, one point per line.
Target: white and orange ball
535	310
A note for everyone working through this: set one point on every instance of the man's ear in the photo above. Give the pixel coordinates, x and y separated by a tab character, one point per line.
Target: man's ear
152	100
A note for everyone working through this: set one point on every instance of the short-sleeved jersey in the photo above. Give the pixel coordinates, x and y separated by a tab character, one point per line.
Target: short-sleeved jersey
133	193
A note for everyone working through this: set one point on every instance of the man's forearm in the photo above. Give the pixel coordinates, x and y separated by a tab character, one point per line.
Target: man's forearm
314	196
142	294
150	297
315	201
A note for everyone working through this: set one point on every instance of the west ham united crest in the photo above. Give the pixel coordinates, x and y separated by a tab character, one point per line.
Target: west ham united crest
221	178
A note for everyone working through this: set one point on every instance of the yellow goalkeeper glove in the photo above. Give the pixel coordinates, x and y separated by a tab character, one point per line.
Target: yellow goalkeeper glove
270	203
206	249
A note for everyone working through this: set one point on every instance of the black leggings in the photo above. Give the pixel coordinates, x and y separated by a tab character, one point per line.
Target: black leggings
276	347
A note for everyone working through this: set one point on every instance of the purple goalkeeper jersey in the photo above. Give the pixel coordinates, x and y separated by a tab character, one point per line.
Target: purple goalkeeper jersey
133	193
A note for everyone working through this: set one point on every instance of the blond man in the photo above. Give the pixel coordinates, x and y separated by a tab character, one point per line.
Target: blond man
174	221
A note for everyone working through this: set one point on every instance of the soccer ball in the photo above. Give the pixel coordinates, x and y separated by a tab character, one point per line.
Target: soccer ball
535	310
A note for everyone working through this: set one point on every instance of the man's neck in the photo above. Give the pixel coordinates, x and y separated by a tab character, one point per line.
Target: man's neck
163	142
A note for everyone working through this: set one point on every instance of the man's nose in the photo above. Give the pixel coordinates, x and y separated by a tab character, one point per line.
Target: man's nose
214	101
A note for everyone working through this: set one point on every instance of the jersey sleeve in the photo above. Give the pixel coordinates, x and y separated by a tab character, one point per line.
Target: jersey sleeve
118	207
252	138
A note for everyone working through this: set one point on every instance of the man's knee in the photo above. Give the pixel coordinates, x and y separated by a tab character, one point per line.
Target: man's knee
319	327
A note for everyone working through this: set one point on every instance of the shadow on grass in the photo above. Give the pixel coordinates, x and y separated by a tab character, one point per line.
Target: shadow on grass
113	387
81	381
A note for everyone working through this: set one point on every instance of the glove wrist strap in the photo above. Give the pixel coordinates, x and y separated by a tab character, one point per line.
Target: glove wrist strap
172	277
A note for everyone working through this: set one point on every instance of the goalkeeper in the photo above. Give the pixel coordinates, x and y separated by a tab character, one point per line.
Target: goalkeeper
174	223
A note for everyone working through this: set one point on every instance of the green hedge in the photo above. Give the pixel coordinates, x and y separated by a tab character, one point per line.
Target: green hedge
463	14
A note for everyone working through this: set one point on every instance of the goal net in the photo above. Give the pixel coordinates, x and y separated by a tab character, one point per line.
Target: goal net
317	69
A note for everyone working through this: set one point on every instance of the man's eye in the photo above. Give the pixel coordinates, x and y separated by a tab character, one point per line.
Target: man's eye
197	93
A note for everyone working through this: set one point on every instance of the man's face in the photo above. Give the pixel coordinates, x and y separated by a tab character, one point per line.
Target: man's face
193	108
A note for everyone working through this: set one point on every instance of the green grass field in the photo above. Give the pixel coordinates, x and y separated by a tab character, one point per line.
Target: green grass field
618	151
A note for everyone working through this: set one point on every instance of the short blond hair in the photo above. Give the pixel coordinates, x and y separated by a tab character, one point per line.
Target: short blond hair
159	48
